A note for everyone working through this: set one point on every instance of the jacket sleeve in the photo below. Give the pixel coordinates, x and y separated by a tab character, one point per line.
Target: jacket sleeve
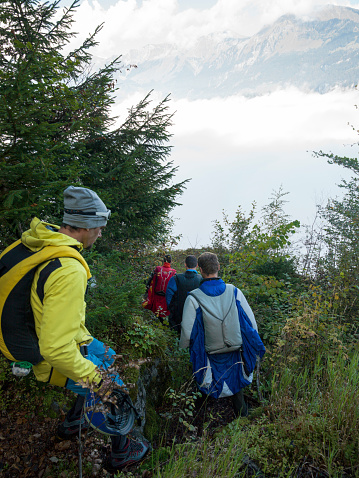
245	306
63	321
171	289
149	280
188	318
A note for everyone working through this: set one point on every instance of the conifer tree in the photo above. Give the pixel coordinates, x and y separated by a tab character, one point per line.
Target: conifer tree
342	215
56	129
338	268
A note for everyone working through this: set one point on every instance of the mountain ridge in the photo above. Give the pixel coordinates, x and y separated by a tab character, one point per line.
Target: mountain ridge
315	53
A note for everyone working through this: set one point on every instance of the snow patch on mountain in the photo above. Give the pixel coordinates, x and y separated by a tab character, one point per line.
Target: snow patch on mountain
316	53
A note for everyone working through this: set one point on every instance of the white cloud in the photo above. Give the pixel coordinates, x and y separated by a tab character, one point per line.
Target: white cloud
285	117
238	150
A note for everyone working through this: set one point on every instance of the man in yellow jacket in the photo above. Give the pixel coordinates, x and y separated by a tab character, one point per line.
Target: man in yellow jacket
68	353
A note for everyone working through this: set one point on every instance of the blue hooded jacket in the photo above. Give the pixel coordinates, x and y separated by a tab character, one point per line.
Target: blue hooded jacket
227	369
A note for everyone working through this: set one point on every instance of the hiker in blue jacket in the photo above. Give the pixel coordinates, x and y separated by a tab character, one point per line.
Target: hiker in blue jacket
220	329
177	292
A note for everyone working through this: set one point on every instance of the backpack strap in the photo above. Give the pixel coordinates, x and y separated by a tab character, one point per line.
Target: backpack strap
222	332
18	265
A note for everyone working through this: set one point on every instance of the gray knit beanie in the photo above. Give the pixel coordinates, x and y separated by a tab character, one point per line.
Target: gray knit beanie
83	208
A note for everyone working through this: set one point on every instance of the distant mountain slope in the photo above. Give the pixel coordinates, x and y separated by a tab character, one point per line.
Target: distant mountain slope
314	54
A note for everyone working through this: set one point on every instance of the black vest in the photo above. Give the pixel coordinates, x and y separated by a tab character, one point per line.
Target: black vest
186	282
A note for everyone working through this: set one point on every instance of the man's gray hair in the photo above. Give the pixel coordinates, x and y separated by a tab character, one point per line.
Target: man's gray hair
208	262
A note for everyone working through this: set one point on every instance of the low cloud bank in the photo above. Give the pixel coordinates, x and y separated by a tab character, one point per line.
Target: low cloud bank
239	150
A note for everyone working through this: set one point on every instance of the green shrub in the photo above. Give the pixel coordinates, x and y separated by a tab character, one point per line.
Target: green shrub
146	338
312	414
114	293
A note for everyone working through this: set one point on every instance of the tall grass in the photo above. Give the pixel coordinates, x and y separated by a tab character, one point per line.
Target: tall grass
310	425
220	458
313	415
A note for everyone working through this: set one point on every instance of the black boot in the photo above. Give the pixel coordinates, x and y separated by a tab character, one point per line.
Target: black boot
125	452
74	419
239	404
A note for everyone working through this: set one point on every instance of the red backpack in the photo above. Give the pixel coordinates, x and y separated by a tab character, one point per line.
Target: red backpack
155	296
161	277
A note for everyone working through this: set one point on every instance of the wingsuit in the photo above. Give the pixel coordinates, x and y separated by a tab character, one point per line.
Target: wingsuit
223	356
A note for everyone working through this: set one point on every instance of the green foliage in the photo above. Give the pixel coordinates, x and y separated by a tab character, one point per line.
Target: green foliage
158	456
256	258
222	457
134	174
313	413
262	252
281	268
338	267
179	364
49	106
232	236
114	292
311	330
183	404
55	130
146	338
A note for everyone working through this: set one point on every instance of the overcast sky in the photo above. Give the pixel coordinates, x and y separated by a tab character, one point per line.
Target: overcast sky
235	150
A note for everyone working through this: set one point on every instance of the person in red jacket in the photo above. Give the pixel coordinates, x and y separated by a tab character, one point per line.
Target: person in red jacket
156	289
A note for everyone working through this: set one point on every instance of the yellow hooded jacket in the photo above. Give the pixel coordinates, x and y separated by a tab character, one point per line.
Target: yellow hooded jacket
59	309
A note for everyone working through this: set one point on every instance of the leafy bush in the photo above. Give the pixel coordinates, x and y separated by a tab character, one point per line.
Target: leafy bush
146	338
114	293
255	257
